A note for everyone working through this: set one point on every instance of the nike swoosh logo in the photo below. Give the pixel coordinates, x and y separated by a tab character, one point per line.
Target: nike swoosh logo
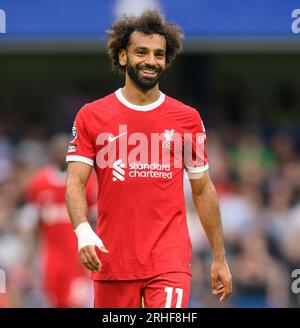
111	139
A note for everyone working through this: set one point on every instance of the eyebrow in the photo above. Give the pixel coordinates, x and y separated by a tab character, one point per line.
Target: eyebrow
144	48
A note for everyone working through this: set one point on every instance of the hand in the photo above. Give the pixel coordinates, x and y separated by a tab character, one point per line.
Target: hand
89	257
87	241
220	273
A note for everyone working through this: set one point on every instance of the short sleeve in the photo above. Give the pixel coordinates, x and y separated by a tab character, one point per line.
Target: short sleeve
82	146
195	156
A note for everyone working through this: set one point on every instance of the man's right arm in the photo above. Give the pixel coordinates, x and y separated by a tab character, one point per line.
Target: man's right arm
77	178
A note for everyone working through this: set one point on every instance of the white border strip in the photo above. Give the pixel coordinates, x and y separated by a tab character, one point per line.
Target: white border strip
76	158
143	108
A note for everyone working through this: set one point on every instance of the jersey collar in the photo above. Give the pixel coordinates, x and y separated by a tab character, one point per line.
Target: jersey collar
143	108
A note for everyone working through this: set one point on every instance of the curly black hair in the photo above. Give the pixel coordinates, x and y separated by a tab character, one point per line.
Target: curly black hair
149	22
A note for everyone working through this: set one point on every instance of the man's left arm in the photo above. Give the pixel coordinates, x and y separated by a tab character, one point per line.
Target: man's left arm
206	201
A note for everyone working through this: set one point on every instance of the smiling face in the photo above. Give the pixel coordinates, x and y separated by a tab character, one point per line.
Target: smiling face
144	59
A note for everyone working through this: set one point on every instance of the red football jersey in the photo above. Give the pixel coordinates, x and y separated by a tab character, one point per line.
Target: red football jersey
139	154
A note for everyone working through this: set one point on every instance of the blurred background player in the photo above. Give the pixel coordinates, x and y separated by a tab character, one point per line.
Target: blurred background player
64	279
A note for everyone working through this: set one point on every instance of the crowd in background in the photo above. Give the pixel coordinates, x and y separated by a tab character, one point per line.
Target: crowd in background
258	183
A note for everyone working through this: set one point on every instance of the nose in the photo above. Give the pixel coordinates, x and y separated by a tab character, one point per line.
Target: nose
150	60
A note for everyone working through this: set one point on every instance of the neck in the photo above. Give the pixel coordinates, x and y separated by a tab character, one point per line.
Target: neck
137	96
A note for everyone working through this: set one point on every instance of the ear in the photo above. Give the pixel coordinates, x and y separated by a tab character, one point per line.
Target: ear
122	57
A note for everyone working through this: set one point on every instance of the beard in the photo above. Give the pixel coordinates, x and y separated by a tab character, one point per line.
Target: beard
143	82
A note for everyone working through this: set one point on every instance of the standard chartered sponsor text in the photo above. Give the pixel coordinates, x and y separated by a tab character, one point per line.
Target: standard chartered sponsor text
152	170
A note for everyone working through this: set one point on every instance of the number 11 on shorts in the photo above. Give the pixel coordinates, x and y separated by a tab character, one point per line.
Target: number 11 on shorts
169	292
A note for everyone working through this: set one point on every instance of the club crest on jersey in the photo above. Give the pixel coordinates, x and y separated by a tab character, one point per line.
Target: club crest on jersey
73	133
168	134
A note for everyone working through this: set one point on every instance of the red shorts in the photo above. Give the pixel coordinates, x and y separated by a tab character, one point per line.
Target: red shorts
167	290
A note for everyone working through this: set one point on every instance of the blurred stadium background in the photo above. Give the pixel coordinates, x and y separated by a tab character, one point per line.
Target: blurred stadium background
240	69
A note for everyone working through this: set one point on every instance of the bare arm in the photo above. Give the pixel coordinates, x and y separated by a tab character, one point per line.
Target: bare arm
206	201
77	178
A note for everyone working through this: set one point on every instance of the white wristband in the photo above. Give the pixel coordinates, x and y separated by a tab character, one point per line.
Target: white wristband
86	236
